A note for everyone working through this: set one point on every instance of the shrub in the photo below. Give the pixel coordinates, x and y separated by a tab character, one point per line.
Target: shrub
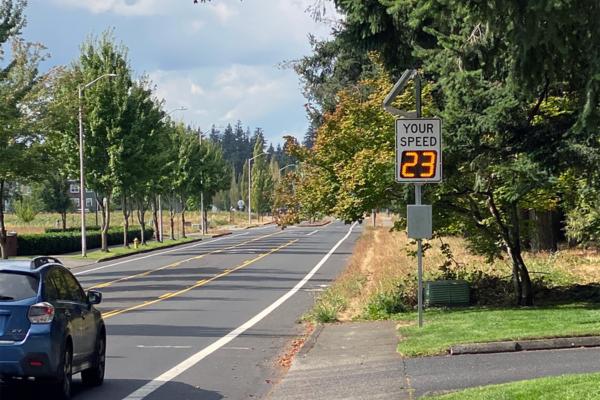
68	242
324	313
74	229
384	304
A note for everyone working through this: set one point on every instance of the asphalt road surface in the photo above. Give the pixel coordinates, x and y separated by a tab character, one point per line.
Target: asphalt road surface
209	320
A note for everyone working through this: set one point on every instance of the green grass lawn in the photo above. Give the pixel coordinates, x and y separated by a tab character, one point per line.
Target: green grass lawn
445	327
576	387
99	255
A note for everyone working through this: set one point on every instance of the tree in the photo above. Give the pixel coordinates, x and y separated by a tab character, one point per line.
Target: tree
234	192
493	69
262	179
105	104
55	197
26	209
23	94
138	143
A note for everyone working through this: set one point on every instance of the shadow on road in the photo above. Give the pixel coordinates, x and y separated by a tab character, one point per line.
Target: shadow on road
112	389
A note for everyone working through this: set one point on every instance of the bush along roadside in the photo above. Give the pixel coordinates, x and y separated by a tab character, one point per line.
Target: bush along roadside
73	229
68	242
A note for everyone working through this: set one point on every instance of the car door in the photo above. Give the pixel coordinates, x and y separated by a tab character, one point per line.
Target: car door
87	327
60	322
64	307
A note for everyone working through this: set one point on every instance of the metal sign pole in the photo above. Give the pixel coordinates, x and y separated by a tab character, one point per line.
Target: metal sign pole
418	202
419	258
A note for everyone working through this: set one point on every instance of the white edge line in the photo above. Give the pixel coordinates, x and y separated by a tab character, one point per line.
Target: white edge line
158	254
150	387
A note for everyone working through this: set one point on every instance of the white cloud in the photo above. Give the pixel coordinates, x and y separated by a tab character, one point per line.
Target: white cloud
196	89
251	94
119	7
223	12
195	26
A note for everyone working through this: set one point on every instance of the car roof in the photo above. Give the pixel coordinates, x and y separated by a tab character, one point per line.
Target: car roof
24	266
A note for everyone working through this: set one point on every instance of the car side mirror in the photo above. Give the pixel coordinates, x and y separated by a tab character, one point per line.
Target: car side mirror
94	297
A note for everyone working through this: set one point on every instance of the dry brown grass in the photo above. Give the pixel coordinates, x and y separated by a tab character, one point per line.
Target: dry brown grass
380	260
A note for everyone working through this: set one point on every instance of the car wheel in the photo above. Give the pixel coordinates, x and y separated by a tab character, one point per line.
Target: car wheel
62	385
95	375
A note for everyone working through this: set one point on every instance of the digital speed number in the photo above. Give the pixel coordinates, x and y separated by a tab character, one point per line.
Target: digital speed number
418	164
418	150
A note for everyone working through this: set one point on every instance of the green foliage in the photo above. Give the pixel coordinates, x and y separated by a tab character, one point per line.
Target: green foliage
262	179
68	242
26	209
384	304
73	229
54	193
23	96
327	307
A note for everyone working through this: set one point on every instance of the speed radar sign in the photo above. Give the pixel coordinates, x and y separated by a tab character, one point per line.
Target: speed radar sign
419	150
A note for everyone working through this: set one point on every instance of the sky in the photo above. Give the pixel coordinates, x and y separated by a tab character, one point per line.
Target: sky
219	60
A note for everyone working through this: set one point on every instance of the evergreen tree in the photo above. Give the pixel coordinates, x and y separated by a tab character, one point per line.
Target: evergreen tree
262	179
234	192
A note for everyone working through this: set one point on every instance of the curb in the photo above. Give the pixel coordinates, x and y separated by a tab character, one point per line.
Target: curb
220	234
310	342
525	345
146	251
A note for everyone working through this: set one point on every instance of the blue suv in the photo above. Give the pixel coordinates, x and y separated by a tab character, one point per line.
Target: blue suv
49	327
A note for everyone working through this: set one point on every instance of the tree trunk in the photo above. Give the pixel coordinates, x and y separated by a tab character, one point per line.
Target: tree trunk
543	238
64	221
105	223
142	220
172	225
3	236
126	226
155	219
520	273
183	223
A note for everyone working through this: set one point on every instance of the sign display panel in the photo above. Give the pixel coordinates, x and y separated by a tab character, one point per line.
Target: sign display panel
419	150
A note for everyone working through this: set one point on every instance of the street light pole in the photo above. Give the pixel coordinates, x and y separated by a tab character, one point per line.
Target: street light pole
250	187
290	165
82	203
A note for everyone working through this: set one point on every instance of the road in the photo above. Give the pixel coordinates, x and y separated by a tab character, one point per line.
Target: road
209	320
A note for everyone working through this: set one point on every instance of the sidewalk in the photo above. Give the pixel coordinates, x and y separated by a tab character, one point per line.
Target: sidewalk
359	361
347	361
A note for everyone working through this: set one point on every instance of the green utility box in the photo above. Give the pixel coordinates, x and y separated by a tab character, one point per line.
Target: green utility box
447	293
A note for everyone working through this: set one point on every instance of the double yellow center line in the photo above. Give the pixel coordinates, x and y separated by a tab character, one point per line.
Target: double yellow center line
103	285
198	284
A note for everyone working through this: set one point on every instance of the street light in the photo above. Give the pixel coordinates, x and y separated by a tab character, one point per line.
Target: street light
160	224
171	112
82	203
200	136
250	186
291	165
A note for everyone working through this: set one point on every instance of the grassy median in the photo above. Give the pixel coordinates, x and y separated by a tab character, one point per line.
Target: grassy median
115	251
576	387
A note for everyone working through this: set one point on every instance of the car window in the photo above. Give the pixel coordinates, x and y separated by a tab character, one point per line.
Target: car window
75	290
50	291
15	286
59	283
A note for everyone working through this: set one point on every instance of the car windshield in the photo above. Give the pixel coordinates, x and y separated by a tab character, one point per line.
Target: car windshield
15	286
